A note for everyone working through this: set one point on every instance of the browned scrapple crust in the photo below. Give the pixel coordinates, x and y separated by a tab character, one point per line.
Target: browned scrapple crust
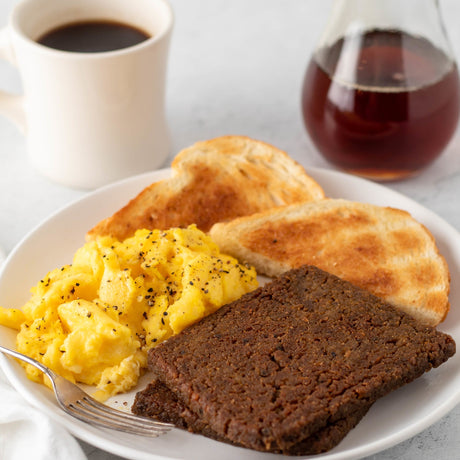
160	403
302	354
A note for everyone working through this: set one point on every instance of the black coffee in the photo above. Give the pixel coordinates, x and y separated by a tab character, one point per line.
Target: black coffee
93	37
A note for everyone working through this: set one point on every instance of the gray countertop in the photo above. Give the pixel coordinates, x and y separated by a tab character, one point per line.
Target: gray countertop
236	68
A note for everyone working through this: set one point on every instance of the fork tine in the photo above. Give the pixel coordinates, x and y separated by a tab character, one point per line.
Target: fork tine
70	394
115	414
80	405
100	421
84	410
118	417
84	405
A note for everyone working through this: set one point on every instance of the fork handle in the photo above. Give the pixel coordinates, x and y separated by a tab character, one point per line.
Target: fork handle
28	360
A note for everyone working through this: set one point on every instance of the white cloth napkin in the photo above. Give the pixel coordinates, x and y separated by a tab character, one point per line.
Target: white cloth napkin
26	433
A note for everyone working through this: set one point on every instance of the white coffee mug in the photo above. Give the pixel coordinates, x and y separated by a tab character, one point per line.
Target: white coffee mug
90	118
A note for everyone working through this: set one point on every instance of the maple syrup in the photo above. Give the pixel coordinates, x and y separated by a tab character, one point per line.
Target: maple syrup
383	104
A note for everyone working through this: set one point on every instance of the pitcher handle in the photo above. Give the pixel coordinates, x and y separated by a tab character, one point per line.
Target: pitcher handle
11	105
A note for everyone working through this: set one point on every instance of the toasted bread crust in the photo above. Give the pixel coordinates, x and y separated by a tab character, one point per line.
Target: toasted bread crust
214	181
381	249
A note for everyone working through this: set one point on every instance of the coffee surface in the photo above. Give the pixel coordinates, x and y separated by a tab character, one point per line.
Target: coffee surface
93	37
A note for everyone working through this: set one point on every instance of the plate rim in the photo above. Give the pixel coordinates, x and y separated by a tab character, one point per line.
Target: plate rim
90	434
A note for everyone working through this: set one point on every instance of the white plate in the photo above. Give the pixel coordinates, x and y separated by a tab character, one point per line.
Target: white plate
398	416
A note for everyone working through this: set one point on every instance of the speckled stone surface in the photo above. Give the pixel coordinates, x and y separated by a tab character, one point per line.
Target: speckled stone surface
236	68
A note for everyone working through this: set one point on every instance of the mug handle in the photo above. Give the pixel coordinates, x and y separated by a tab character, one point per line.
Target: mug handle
12	106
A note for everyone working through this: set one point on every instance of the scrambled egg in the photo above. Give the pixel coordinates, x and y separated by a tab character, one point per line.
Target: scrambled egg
94	320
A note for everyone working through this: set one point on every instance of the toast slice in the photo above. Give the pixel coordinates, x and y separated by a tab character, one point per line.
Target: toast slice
290	367
214	181
381	249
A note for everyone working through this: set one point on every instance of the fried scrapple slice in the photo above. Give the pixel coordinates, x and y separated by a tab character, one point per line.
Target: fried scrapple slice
214	181
158	402
381	249
291	364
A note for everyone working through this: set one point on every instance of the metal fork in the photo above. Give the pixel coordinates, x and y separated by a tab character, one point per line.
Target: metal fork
80	405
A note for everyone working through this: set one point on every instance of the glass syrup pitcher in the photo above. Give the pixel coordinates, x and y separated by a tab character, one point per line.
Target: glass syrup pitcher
380	97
